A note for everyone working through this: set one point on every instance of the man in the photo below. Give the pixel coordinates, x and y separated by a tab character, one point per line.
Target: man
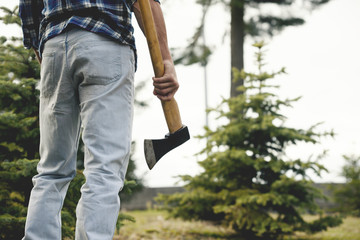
87	53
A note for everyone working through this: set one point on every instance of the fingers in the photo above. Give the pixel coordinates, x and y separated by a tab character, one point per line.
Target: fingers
165	89
166	86
166	97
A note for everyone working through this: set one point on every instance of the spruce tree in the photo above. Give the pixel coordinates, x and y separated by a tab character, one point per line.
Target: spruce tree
248	182
19	134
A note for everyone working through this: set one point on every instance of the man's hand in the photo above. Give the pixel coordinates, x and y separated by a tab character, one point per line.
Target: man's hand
166	86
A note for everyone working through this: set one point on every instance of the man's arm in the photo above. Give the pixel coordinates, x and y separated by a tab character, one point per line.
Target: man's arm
164	87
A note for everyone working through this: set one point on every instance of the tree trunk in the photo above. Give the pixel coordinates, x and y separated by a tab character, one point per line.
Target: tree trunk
237	42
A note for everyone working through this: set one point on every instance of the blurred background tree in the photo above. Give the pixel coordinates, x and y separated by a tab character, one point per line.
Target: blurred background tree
252	18
19	139
19	135
348	195
247	181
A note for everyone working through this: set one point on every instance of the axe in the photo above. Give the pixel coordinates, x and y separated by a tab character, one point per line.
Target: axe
178	133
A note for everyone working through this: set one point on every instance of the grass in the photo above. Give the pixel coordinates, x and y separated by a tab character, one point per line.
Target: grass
155	225
349	230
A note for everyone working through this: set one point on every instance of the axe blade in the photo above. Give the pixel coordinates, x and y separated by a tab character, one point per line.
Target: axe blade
155	149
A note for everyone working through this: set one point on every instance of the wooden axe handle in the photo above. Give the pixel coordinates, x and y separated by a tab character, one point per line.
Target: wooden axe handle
170	108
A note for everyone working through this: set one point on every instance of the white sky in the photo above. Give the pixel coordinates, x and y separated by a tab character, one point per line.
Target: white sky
322	61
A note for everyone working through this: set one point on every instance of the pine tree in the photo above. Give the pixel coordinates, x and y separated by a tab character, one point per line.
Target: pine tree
248	182
19	135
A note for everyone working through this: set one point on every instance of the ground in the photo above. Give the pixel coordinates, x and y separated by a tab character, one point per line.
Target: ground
155	225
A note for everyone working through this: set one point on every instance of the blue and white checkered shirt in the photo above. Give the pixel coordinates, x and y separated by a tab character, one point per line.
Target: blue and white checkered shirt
44	19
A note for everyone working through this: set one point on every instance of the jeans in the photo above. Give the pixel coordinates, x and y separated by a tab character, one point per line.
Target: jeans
87	81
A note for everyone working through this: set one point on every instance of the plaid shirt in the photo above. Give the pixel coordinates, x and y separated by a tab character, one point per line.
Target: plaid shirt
44	19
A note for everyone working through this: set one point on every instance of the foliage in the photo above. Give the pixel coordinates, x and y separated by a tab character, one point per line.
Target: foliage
247	18
248	182
19	139
15	190
348	196
257	22
19	133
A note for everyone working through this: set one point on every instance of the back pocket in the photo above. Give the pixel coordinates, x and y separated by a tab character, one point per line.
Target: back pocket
47	82
101	63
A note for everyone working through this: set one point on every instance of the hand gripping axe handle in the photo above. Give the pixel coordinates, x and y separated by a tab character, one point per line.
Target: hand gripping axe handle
178	133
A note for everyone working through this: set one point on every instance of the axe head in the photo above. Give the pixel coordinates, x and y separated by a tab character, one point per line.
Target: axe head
155	149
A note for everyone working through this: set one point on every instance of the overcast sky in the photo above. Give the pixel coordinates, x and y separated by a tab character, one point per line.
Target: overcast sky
322	61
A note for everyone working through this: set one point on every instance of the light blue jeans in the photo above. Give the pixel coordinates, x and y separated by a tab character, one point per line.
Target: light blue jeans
86	82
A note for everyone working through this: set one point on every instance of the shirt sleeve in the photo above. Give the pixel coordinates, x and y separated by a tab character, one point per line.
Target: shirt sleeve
133	1
30	15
